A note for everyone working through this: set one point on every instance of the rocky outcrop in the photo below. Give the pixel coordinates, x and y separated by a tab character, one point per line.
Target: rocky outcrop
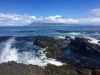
98	41
44	41
13	68
96	72
82	45
68	38
53	47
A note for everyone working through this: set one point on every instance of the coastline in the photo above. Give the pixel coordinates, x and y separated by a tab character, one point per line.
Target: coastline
54	48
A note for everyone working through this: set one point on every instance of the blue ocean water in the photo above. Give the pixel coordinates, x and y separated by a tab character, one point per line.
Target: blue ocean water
93	31
16	42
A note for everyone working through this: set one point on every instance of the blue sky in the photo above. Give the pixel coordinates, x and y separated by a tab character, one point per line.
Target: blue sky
41	10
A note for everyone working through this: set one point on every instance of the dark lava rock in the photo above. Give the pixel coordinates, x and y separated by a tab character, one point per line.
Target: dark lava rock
98	41
53	48
61	70
68	38
82	45
84	71
96	72
13	68
44	41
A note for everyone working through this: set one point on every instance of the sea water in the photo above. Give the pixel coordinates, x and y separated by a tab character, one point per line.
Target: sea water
16	42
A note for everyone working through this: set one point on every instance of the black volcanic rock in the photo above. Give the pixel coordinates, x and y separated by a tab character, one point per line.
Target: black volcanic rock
13	68
98	41
53	48
44	41
68	38
82	45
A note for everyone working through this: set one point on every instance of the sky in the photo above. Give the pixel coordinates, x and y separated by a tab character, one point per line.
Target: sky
24	12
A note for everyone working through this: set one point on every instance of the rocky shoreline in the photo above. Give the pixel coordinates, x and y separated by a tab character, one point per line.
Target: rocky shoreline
54	48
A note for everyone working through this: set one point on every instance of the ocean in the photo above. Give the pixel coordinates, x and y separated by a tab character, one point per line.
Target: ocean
16	42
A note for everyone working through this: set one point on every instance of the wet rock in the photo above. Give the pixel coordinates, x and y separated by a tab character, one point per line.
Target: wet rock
82	45
61	70
96	72
44	41
98	41
68	38
84	71
13	68
22	69
53	48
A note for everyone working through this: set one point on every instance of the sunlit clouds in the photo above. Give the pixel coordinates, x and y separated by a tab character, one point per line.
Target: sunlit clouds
25	19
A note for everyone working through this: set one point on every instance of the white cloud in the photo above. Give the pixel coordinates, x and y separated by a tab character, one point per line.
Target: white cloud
95	12
16	19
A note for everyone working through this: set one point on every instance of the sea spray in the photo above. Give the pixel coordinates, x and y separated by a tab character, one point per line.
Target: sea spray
93	40
35	57
8	53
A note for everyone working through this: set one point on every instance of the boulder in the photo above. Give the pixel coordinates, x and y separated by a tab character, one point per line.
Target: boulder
98	41
68	38
53	48
96	72
44	41
82	45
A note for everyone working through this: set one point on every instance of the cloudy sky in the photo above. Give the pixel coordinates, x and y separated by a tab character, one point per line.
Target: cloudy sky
24	12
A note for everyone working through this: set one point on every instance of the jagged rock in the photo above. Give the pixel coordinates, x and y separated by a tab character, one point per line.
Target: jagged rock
84	71
68	38
61	70
98	41
53	48
82	45
13	68
96	72
44	41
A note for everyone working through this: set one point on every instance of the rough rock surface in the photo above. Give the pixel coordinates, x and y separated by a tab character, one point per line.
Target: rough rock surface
82	45
52	46
68	38
53	49
13	68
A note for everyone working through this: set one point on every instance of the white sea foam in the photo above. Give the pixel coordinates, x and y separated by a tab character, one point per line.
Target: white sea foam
93	40
8	53
73	33
36	58
60	37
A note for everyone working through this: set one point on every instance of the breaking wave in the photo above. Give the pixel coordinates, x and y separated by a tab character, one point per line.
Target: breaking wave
9	53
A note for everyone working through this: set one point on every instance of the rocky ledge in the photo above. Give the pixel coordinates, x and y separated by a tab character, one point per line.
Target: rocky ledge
13	68
84	46
53	46
54	49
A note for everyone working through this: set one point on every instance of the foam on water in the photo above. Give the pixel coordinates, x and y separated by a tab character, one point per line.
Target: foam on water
73	33
93	40
8	53
39	58
60	37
